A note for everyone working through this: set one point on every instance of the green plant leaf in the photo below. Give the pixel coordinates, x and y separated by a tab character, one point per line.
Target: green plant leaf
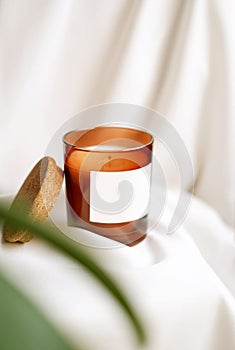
54	236
22	326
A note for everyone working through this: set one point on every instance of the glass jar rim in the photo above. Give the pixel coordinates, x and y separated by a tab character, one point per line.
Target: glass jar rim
122	129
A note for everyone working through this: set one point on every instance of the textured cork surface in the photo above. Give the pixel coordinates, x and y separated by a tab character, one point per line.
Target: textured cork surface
36	197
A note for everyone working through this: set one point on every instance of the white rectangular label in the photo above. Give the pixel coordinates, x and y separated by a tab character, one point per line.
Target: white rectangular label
119	196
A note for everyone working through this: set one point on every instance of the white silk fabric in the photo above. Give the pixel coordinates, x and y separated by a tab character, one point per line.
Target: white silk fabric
58	57
174	56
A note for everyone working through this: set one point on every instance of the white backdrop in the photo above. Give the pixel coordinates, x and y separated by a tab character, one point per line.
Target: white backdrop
175	56
58	57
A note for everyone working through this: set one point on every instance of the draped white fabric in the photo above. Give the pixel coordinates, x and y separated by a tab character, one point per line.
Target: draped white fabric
174	56
181	285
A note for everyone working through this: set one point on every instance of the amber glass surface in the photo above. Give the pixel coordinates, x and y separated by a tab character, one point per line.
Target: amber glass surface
106	149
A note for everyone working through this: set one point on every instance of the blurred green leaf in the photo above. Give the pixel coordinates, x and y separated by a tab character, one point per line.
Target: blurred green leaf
22	326
54	236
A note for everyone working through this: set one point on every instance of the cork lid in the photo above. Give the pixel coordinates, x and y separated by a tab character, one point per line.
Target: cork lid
36	197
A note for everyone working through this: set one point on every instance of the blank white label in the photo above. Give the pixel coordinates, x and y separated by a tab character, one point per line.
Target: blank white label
120	196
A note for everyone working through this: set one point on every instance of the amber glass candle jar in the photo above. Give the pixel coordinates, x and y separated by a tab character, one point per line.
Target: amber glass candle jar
107	173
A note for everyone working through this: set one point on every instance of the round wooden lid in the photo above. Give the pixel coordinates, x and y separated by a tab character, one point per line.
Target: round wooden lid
36	197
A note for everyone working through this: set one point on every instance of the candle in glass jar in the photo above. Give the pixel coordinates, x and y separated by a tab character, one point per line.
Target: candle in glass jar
107	172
